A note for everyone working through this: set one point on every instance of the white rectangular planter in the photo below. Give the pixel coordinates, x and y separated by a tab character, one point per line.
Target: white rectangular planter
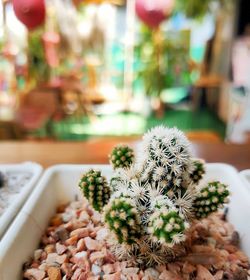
59	185
26	174
245	176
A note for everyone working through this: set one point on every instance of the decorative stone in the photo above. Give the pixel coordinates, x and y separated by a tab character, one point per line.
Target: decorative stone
96	269
84	217
62	234
97	256
152	273
114	276
102	234
34	274
37	254
108	268
54	258
80	233
92	244
60	249
54	273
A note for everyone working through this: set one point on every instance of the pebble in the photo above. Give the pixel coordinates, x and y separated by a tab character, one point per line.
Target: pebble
62	234
67	269
66	217
130	270
96	218
34	274
152	273
92	244
96	269
54	273
77	252
114	276
60	249
72	240
108	268
53	258
102	234
38	254
82	254
56	221
84	217
49	248
80	232
81	245
203	273
97	256
43	266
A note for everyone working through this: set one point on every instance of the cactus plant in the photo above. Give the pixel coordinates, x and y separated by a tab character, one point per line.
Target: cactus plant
198	170
210	198
95	188
122	218
122	156
166	156
154	199
167	227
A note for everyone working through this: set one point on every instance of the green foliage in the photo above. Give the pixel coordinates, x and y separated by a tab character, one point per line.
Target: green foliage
38	66
166	227
164	60
95	188
123	220
121	156
195	9
210	198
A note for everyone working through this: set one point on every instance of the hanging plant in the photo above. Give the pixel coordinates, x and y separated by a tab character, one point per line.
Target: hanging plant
197	9
164	61
39	69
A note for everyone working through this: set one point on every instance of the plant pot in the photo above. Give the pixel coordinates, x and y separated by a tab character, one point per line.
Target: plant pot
59	185
245	176
21	179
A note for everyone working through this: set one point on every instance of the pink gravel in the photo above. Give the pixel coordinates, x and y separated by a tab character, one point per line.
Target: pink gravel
74	247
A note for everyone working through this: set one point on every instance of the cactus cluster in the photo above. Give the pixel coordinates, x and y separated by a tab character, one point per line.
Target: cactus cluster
151	201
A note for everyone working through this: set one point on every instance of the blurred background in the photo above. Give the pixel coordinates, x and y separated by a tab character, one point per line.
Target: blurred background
83	69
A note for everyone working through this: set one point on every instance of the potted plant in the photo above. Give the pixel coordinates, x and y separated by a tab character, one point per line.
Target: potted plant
154	218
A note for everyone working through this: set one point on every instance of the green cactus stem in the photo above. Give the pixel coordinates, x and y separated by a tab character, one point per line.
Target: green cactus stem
123	220
167	227
95	188
198	172
122	156
212	197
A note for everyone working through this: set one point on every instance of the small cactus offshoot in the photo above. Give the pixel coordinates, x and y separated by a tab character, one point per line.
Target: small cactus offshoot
123	220
95	188
154	199
122	156
166	227
212	197
198	171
